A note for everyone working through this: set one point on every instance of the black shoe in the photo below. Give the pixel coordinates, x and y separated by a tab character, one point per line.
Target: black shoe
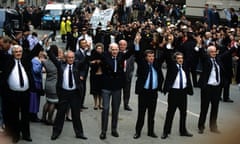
15	139
81	136
115	134
228	100
164	136
102	136
200	131
49	122
43	120
153	135
54	136
34	118
68	119
137	135
187	134
27	138
83	107
127	108
215	131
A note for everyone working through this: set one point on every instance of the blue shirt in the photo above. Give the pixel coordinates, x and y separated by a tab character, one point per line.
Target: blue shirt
155	79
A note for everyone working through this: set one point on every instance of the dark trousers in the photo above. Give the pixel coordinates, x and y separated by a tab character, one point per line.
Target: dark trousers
13	103
83	93
147	100
126	92
226	88
177	98
116	100
209	94
68	45
66	99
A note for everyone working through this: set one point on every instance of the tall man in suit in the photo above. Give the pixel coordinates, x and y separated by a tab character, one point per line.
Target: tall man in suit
112	83
211	82
128	68
82	55
177	85
68	88
17	81
149	82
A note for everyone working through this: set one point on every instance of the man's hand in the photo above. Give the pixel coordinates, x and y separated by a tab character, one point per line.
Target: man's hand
81	78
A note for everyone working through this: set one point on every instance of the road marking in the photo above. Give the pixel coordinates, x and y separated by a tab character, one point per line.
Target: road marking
191	113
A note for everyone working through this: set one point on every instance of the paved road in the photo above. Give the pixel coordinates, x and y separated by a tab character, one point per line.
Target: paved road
229	115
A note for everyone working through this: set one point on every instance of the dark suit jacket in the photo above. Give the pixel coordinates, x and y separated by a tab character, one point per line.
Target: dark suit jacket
207	67
84	61
172	72
130	68
9	62
77	70
143	70
113	80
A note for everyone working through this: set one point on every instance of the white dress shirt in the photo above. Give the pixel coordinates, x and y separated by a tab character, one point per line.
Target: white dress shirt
65	84
13	79
212	77
176	84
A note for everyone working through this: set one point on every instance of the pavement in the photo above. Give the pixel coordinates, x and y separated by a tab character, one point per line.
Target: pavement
228	122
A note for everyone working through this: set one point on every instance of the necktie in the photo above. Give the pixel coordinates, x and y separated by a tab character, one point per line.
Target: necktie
70	80
20	74
151	77
125	66
115	64
180	77
216	69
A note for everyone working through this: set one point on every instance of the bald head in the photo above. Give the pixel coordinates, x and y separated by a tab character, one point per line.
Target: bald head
70	56
212	51
114	49
122	45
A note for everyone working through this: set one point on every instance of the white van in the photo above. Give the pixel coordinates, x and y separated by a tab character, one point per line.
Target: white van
55	11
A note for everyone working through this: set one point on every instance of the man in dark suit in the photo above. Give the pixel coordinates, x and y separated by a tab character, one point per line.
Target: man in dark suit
82	54
211	82
177	85
68	88
112	83
149	82
191	57
128	68
17	81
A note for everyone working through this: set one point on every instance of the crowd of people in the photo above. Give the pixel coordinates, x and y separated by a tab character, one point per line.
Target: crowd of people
202	54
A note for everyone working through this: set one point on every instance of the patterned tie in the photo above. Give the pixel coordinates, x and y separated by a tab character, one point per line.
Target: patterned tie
216	70
70	79
180	77
20	74
151	77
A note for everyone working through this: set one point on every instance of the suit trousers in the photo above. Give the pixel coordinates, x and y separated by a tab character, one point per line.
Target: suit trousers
116	100
66	99
13	102
209	94
126	92
177	98
147	100
226	88
83	93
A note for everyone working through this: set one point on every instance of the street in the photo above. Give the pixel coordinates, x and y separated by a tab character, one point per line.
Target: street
228	118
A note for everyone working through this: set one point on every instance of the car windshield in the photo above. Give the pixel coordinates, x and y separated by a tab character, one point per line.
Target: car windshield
54	12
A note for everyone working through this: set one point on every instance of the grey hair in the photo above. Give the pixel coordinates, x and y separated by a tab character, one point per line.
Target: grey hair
210	48
66	52
14	47
112	45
